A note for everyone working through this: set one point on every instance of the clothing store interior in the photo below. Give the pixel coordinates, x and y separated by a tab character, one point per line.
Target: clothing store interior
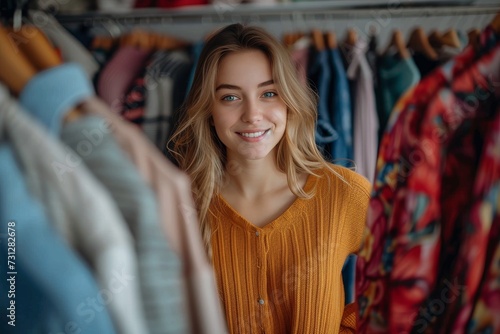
99	233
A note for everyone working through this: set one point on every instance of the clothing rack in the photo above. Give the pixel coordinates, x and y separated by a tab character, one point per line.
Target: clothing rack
227	12
193	23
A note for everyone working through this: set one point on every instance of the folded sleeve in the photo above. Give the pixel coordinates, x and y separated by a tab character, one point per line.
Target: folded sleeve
348	323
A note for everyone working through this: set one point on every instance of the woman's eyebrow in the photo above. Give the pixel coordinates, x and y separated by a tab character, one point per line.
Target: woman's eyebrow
228	86
265	83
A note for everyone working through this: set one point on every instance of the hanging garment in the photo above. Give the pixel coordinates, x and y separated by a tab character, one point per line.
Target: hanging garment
134	101
300	58
158	113
453	161
53	93
46	269
396	76
285	277
340	102
116	78
484	217
160	269
382	307
372	58
342	147
166	81
180	77
446	53
319	73
45	299
365	114
424	64
346	53
59	179
196	49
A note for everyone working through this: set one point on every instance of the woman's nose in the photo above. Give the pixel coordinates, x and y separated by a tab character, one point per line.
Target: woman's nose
252	112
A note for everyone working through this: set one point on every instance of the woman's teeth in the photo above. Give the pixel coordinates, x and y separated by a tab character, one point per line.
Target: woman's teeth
253	134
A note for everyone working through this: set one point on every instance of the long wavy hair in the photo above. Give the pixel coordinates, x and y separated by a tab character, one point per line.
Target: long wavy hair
195	144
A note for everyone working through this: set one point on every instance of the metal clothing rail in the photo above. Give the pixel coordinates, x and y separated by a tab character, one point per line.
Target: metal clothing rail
315	10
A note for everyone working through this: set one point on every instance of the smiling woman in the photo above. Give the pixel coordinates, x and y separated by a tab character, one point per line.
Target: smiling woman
277	219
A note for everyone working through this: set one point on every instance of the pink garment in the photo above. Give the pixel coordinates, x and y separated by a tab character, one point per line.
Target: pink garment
365	113
300	57
117	76
178	218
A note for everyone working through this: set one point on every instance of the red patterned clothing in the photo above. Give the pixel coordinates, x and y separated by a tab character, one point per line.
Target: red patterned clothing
484	221
454	130
404	214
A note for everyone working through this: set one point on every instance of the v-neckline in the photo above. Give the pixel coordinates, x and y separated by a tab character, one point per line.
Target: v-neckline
275	223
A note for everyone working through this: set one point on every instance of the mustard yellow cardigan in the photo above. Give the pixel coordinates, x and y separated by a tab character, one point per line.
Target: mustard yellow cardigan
286	277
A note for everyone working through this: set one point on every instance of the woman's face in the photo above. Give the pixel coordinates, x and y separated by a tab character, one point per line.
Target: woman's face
248	115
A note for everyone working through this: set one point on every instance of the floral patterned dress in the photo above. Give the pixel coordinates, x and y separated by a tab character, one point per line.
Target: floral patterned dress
416	258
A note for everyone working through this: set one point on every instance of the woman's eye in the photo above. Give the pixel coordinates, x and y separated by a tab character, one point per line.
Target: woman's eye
229	98
269	94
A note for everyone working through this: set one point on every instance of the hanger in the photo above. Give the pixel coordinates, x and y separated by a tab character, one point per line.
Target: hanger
108	41
495	23
151	41
331	40
398	42
475	34
419	42
318	40
31	53
136	38
166	42
287	39
33	43
351	37
450	38
435	39
103	42
15	69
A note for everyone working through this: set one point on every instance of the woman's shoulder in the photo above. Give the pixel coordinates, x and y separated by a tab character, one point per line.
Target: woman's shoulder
345	178
350	191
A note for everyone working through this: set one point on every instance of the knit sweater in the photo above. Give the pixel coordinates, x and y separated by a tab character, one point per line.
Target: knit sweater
286	276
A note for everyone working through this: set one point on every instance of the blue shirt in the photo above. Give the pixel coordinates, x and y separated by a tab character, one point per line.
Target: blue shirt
319	73
342	151
54	290
396	76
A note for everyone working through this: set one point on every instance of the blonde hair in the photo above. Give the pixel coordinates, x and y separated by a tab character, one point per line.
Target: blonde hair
195	145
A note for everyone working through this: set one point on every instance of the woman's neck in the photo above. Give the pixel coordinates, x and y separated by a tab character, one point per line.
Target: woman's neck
252	179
